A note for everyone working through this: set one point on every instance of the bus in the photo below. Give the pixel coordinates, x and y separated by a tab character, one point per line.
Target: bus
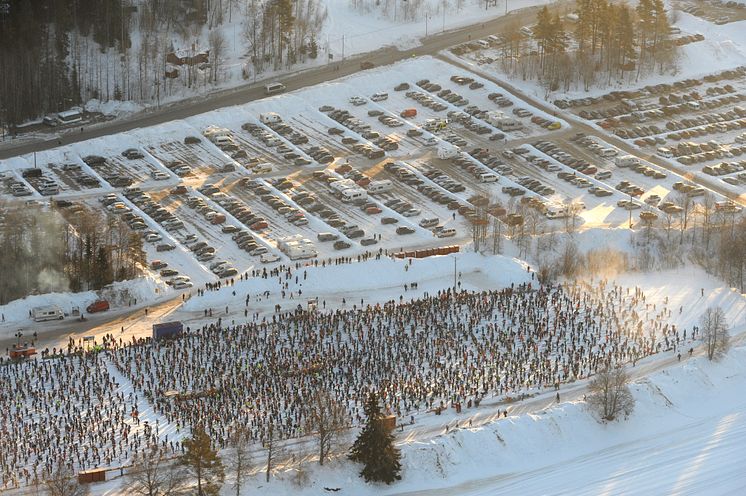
70	117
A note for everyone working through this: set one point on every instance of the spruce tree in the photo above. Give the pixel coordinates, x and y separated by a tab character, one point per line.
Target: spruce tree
203	462
374	447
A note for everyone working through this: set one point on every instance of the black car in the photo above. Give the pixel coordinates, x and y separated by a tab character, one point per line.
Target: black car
341	245
404	230
389	220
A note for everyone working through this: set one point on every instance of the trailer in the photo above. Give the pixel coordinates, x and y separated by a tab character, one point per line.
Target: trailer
167	330
51	312
18	352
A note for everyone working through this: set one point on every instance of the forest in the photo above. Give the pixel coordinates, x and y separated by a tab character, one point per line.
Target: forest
605	42
56	54
45	251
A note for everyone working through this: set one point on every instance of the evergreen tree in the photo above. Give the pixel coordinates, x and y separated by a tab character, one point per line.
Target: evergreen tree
203	463
374	447
313	49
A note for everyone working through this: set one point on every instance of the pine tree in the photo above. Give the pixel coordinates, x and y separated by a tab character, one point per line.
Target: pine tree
203	462
374	447
313	49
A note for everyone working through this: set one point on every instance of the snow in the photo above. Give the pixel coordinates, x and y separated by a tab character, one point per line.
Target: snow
723	48
121	295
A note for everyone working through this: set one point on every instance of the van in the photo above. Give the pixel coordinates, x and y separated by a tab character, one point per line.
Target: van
409	112
432	222
572	17
608	152
273	88
446	233
487	178
379	97
270	118
379	186
527	31
626	161
97	306
223	140
327	236
42	314
483	43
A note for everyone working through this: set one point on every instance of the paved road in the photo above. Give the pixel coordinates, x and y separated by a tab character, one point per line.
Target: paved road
236	96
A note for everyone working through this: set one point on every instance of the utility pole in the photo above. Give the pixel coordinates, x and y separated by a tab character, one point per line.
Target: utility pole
454	273
630	212
343	47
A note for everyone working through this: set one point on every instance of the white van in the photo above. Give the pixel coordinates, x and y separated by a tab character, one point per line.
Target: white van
379	186
379	97
626	161
483	43
273	88
42	314
446	233
432	222
223	140
527	31
270	118
487	178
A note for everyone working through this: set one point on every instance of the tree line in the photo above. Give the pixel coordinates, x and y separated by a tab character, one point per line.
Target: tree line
56	54
45	252
606	41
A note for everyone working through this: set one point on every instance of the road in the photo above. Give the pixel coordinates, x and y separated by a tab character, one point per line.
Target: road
310	77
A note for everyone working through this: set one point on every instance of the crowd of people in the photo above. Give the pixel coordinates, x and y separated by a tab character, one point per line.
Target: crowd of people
68	411
442	350
450	349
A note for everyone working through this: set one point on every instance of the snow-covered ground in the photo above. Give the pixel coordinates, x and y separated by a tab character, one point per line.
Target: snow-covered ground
686	435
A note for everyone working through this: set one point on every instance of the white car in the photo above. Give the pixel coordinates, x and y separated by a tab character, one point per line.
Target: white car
379	97
182	285
358	100
159	175
269	258
153	237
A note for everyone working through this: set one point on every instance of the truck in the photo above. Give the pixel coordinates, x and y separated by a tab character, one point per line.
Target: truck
42	314
167	330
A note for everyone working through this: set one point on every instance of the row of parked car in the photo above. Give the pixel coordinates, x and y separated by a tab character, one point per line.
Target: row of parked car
100	165
656	89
